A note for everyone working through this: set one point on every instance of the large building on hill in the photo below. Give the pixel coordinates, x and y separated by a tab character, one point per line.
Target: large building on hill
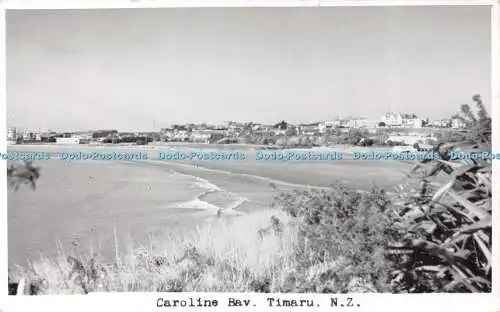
401	120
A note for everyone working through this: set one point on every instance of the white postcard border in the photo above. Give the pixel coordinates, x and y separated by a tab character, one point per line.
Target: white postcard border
147	301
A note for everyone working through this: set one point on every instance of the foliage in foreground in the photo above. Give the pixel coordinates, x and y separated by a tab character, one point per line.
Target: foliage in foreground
344	232
445	243
23	174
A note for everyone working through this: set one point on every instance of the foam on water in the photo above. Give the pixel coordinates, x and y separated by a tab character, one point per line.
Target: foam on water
222	195
273	181
205	184
196	204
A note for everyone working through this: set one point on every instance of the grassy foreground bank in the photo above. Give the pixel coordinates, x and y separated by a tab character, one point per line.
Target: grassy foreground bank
436	238
265	251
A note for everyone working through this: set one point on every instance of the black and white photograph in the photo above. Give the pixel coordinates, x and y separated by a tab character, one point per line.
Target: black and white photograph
323	150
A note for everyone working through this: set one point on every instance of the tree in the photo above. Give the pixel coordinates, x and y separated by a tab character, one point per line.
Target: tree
214	137
283	125
23	174
478	127
354	136
482	113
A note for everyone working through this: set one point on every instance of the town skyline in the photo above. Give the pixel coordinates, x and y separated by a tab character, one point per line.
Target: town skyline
224	123
74	70
387	120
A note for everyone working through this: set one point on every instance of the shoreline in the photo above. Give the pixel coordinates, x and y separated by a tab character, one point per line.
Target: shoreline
201	145
320	173
346	149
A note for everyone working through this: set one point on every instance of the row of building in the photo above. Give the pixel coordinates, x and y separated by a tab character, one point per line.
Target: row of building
204	133
232	130
80	137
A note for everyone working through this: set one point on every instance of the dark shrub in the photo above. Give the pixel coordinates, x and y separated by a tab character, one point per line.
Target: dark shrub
341	223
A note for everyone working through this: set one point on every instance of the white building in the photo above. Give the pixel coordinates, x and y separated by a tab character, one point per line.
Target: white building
235	129
11	134
202	136
457	123
415	123
175	134
26	135
411	121
181	135
354	123
325	125
392	120
308	129
364	123
263	129
83	138
32	135
402	120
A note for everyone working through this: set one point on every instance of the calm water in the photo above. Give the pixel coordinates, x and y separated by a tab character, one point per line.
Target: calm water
82	203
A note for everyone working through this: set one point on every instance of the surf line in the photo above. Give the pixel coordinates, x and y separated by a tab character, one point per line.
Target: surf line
272	182
234	199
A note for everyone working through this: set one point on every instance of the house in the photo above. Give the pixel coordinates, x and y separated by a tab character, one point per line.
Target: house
262	129
327	125
175	133
368	123
354	123
12	134
220	127
402	120
416	123
309	129
181	135
457	123
200	136
32	135
166	134
292	129
351	122
342	122
235	129
392	120
411	121
256	127
279	131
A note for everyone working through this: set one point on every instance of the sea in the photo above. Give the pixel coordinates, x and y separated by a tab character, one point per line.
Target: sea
86	206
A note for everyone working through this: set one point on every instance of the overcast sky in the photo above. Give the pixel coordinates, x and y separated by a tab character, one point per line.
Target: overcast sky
142	68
